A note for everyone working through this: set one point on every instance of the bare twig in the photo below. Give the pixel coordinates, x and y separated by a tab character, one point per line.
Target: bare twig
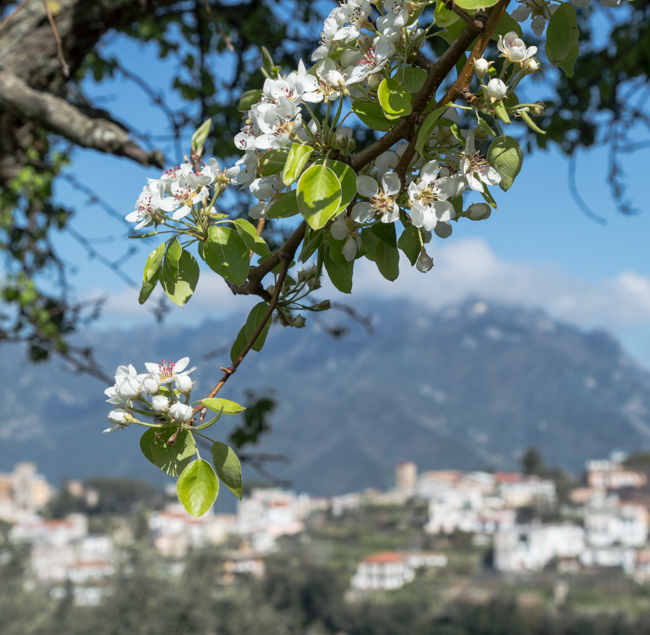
12	15
573	189
450	5
217	26
64	65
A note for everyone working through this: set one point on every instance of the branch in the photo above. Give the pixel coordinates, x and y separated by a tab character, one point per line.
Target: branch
286	256
61	117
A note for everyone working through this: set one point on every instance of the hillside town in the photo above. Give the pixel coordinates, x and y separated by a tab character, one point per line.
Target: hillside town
601	523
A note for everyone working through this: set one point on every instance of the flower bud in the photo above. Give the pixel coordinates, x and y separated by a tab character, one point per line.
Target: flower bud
374	80
128	388
181	412
481	66
120	417
183	383
149	385
479	211
365	42
531	65
496	89
322	306
537	109
299	322
160	403
424	263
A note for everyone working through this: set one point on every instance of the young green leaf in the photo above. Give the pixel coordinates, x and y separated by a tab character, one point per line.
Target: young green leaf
319	195
152	270
145	444
201	134
180	291
530	123
569	60
296	161
386	254
414	78
171	260
228	468
500	110
249	98
562	33
272	161
340	275
371	114
228	407
284	207
409	243
197	488
336	250
312	241
227	254
395	100
506	157
370	242
253	321
475	4
347	178
427	128
443	17
248	233
172	459
239	344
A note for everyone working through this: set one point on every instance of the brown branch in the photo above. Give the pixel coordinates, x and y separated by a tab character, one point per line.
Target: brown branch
61	117
286	258
461	85
12	14
220	31
59	49
450	5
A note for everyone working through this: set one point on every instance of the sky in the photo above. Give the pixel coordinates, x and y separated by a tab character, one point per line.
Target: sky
538	250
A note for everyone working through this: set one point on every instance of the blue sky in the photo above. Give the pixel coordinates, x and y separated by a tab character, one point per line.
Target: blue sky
538	249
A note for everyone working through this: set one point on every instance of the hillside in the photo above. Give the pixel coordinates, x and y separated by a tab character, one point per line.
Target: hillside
468	387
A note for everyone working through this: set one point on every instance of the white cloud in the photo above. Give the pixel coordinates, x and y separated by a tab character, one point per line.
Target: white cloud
464	269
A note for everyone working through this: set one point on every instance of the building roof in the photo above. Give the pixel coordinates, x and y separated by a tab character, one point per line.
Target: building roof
384	557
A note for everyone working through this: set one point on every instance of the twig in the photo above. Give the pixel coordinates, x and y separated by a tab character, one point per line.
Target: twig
450	5
64	65
220	31
286	258
573	189
12	14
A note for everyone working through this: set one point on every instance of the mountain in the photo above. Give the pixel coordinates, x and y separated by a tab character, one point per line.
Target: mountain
466	387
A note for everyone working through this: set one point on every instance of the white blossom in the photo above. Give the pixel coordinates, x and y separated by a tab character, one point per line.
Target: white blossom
181	412
160	403
147	206
496	89
429	198
512	47
481	66
344	229
381	201
475	168
396	17
373	61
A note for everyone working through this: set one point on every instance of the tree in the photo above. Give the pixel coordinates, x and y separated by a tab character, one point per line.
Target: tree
408	167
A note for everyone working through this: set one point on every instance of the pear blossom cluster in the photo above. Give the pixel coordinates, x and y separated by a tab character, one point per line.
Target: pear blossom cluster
179	191
151	394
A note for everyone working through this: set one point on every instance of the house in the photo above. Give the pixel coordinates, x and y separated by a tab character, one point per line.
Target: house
518	490
532	547
611	474
610	522
23	493
391	570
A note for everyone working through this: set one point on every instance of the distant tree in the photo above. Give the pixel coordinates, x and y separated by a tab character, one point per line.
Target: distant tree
532	463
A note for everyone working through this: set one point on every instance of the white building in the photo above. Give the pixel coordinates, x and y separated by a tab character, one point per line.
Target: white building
611	474
23	492
390	570
532	547
609	522
517	490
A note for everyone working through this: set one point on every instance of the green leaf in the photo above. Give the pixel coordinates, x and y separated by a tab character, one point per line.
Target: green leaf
484	124
562	33
371	114
249	98
239	344
500	110
340	275
386	254
296	162
488	198
409	243
319	195
227	254
347	178
312	241
335	249
414	79
253	321
171	261
201	134
395	100
248	233
272	161
427	127
267	61
370	242
151	273
148	235
506	157
569	61
180	291
476	4
172	459
443	17
506	25
228	468
197	488
285	206
217	405
145	444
